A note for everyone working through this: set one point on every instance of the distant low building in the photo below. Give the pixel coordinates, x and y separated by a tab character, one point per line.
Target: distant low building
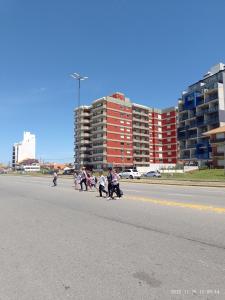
30	168
55	166
217	140
24	150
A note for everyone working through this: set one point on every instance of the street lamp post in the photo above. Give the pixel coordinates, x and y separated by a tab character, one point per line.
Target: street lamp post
79	78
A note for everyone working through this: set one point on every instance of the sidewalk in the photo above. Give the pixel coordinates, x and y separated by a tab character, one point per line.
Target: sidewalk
177	182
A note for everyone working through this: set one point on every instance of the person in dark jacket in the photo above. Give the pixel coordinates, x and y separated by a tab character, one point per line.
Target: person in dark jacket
110	185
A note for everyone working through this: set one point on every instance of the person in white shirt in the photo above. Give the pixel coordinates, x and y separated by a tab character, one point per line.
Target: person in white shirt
115	185
55	177
83	179
102	184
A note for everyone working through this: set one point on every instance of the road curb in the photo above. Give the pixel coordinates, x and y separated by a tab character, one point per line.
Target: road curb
180	183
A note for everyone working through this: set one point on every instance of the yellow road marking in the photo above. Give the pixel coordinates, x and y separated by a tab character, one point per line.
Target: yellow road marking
178	204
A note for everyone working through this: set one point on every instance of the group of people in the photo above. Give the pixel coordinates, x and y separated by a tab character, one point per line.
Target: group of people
86	180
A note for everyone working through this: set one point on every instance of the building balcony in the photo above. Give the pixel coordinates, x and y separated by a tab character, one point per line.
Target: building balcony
183	117
217	140
218	154
184	156
193	125
84	121
140	141
83	149
140	113
84	142
211	121
211	95
142	120
99	114
192	136
141	163
191	146
142	126
84	114
140	134
141	156
207	111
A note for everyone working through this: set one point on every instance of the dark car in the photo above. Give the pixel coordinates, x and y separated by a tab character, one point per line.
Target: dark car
69	172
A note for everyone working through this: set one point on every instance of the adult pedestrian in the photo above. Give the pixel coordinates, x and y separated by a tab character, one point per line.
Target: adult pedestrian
115	184
102	184
83	179
55	177
110	186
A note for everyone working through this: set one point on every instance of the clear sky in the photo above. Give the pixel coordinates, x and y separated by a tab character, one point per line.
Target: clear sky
151	50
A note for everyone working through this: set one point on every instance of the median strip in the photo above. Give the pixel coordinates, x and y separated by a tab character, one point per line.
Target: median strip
178	204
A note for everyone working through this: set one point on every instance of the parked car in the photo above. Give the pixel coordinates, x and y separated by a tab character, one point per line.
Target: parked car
130	173
152	174
68	172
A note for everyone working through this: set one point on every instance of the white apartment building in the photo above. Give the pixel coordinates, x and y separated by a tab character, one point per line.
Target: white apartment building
24	150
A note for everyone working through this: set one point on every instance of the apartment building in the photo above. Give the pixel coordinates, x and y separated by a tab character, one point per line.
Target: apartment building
24	149
201	109
163	135
113	131
82	136
140	117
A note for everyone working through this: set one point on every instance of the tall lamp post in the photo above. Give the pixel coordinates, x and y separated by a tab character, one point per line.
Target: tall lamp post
79	78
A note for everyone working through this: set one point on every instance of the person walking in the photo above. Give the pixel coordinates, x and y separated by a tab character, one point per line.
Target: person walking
102	184
83	179
110	186
76	180
55	177
115	184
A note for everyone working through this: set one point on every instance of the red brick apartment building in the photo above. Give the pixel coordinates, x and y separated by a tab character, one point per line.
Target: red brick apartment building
113	131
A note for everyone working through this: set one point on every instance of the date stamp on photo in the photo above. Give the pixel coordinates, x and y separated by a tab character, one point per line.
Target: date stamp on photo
195	292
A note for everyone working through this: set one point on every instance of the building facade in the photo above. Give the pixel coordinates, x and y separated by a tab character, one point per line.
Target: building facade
24	150
217	140
114	132
201	109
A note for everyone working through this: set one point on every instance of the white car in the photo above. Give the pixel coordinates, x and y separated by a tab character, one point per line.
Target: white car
152	174
130	174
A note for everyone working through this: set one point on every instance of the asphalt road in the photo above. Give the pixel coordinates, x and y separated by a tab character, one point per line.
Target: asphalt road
157	242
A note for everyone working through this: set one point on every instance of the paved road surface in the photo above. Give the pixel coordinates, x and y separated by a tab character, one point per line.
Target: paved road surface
158	242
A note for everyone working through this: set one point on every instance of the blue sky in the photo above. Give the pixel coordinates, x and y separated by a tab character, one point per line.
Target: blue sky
150	50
